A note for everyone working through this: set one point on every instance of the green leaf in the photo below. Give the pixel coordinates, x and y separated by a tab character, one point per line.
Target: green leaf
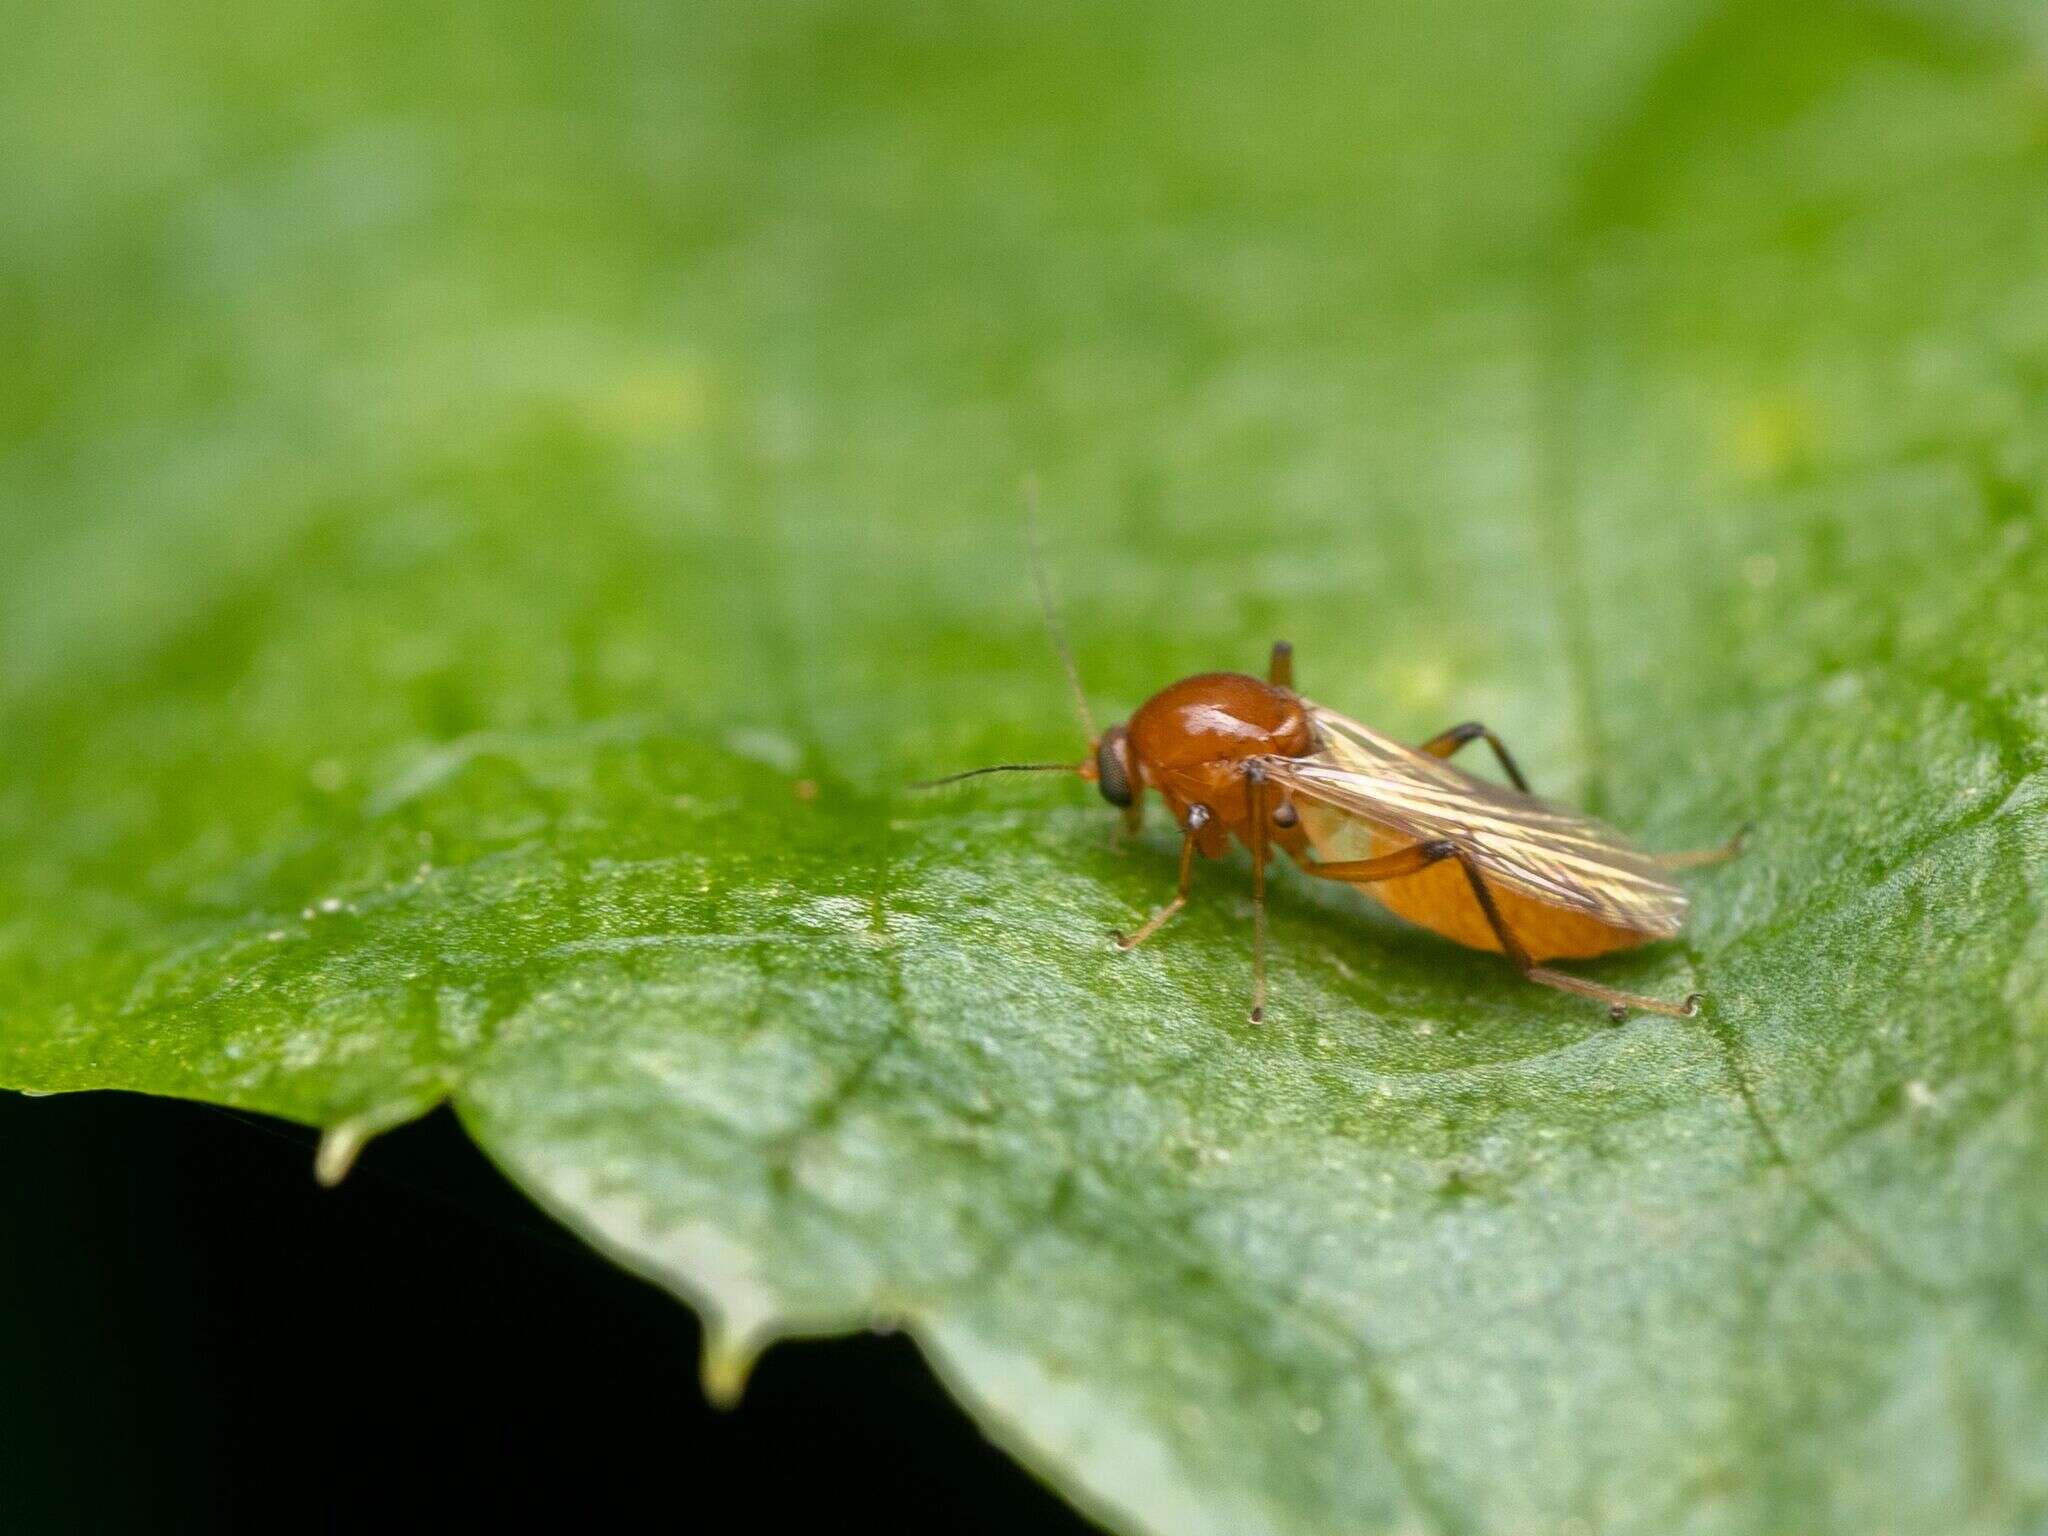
499	503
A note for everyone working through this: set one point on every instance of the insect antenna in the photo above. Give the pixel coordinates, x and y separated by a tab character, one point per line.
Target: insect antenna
1059	644
1053	627
975	773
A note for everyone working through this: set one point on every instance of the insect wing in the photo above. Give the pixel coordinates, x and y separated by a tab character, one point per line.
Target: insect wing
1516	840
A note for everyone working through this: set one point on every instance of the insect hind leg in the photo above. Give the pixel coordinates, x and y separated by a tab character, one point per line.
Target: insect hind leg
1618	1002
1446	743
1699	858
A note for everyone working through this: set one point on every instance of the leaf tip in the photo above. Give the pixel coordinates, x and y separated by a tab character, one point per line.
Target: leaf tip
727	1362
339	1145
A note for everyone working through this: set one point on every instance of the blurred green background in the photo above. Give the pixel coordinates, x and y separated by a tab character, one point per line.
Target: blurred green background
526	440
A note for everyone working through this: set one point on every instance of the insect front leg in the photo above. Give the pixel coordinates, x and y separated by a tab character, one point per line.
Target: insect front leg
1618	1002
1255	788
1444	743
1130	822
1198	818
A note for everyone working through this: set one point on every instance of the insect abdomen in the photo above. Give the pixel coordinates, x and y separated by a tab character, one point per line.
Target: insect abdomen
1441	898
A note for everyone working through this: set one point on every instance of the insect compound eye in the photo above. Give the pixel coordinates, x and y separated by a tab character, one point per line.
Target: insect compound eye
1112	767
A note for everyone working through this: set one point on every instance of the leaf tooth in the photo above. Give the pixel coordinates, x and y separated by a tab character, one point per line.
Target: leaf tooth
728	1360
339	1144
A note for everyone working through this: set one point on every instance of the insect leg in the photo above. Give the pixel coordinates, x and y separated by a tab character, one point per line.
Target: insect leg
1444	743
1280	673
1618	1002
1198	818
1132	824
1387	866
1694	858
1255	783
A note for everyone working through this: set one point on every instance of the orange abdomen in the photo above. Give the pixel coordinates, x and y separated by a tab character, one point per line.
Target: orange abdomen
1440	898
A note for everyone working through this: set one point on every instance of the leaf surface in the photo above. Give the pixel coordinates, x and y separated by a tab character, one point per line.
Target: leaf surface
499	504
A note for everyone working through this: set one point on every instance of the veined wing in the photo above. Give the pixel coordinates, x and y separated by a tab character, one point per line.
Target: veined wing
1523	843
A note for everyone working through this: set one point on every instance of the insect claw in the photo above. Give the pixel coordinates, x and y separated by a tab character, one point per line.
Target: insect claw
1692	1004
1259	1015
1116	937
1618	1013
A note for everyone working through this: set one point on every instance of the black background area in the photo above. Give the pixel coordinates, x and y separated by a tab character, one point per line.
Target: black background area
195	1337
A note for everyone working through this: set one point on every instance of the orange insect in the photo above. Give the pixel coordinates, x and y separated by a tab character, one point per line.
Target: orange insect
1484	865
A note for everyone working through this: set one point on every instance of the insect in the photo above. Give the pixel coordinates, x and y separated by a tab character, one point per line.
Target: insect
1488	866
